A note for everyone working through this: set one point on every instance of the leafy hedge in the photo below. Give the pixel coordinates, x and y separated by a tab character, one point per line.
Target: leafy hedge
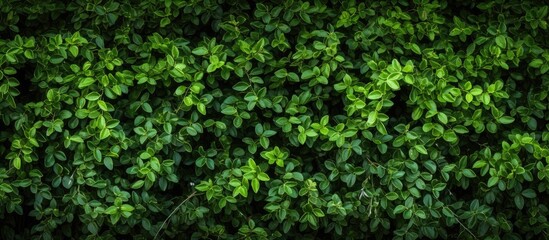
288	119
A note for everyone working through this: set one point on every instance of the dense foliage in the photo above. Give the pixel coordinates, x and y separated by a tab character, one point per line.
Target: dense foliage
228	119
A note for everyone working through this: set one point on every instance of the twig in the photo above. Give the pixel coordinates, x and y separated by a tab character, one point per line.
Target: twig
171	214
460	223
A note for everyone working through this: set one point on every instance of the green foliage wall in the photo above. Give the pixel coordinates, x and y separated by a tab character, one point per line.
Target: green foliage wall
274	120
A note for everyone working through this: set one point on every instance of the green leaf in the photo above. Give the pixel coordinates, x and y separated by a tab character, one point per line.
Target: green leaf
77	139
17	163
105	133
519	201
127	208
399	209
376	94
146	107
469	173
302	138
86	82
318	212
416	49
281	73
500	41
140	131
164	22
263	177
6	188
200	51
255	185
93	228
10	58
396	65
536	63
447	212
421	149
229	110
201	108
259	129
73	50
108	163
409	67
393	84
99	41
241	86
450	136
155	164
493	181
442	117
529	193
191	131
180	90
393	77
431	166
145	155
391	196
307	74
175	52
56	59
98	155
506	120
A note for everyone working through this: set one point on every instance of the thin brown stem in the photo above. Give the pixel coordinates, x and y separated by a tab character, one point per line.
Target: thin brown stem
173	212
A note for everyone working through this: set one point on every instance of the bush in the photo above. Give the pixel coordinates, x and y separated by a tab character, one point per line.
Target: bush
287	119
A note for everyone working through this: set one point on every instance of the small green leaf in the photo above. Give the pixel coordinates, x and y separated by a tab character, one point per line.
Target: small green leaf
108	163
200	51
105	133
396	65
536	63
255	185
421	149
399	209
442	117
6	188
241	86
146	107
393	84
127	208
506	120
469	173
229	110
93	228
376	94
493	181
86	82
529	193
281	73
263	177
164	22
155	164
519	201
99	41
145	155
391	196
73	50
450	136
318	212
56	59
393	77
180	90
500	41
